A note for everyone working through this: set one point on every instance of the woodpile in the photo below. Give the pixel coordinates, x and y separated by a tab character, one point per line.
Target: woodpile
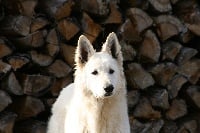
160	45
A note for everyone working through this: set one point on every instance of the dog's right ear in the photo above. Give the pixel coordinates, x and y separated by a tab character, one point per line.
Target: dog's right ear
84	51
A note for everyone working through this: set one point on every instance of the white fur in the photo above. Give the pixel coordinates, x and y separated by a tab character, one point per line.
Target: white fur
82	107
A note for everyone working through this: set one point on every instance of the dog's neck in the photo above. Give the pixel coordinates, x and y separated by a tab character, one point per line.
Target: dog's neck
105	110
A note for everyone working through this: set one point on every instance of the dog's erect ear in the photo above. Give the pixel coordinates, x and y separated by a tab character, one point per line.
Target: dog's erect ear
84	50
113	47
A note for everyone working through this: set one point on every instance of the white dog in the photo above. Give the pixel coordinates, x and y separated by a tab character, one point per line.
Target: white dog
96	101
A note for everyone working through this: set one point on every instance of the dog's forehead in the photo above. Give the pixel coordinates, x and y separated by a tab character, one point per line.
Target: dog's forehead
102	59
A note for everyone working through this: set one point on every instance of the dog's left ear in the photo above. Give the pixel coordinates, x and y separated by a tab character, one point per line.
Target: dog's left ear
113	47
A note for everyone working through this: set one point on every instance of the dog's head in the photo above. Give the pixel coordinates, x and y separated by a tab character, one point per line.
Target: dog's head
101	71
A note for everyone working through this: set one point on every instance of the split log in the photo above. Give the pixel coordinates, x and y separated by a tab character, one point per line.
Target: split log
4	68
33	40
36	85
40	58
57	9
38	23
133	98
190	69
163	72
4	49
144	110
24	7
194	94
129	32
129	53
68	52
30	126
150	48
64	10
52	49
175	85
139	18
188	126
185	54
177	109
27	107
7	121
52	37
59	84
90	28
159	98
115	16
168	26
170	49
68	28
161	5
134	3
59	69
18	61
137	77
190	13
138	21
15	26
95	7
169	127
5	100
186	35
12	85
150	127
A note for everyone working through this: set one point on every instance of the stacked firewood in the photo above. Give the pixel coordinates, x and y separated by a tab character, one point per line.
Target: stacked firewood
160	43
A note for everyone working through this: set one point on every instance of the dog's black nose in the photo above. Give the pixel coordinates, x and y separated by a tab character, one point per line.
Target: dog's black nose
109	89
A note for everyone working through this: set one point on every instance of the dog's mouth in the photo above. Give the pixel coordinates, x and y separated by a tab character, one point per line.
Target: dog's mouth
107	94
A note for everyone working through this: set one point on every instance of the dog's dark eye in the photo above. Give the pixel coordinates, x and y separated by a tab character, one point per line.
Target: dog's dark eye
111	71
95	72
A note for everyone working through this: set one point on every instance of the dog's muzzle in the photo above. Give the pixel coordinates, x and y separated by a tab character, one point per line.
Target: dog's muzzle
109	90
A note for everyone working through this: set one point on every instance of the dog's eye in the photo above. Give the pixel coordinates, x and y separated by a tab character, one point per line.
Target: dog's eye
95	72
111	71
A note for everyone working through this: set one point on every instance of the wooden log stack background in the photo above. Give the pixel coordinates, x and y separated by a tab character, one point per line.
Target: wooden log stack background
160	41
